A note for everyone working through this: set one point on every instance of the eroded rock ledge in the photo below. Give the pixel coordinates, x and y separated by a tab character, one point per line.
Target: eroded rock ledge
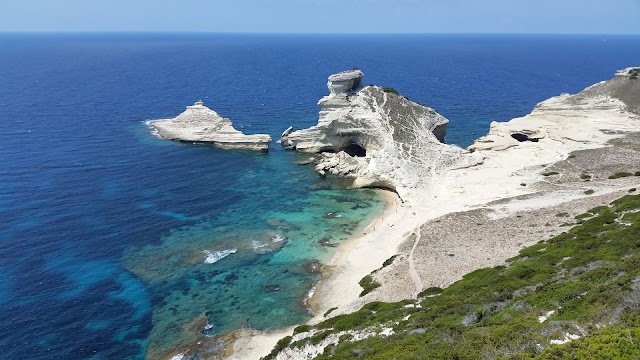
580	120
201	125
375	136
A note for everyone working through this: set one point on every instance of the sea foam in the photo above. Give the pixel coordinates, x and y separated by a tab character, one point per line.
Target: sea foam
213	257
154	131
260	248
278	238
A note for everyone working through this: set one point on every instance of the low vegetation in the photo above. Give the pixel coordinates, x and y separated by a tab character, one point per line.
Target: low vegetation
621	174
330	311
281	345
432	291
301	329
635	73
581	287
368	284
390	90
550	173
388	262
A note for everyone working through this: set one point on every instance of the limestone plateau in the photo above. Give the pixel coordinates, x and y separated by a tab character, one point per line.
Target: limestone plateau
201	125
375	136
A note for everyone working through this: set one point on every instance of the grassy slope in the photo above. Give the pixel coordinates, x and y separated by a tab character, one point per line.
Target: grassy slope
590	277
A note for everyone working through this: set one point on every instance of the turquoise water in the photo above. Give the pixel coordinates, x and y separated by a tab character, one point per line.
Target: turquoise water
248	268
105	230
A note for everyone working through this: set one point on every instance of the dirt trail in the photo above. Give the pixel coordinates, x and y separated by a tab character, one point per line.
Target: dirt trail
412	269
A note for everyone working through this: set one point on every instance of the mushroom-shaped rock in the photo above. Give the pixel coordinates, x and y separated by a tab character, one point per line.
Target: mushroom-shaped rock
375	136
345	82
201	125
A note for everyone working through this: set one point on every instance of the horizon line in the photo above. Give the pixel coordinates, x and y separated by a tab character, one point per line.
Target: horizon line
78	32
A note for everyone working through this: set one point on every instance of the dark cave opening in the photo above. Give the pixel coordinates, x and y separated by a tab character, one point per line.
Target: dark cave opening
355	150
523	137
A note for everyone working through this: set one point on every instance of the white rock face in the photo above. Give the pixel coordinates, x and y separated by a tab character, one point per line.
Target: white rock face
345	82
583	119
201	125
375	136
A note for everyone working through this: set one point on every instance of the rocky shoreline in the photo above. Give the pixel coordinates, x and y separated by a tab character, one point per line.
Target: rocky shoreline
375	136
530	175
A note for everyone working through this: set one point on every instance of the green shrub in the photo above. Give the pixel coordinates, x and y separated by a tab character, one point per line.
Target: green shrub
368	284
389	261
317	338
589	192
430	291
550	173
330	311
583	216
587	275
390	90
301	329
621	174
281	345
609	343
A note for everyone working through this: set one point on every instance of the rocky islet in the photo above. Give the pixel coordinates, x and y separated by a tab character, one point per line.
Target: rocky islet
200	125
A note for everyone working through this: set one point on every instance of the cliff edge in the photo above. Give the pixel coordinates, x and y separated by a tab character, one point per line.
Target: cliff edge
375	136
524	243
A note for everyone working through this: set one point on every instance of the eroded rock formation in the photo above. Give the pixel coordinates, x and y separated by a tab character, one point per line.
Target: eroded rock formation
374	135
582	118
201	125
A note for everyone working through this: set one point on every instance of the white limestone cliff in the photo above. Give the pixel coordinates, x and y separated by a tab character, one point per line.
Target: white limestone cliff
201	125
375	136
584	120
508	185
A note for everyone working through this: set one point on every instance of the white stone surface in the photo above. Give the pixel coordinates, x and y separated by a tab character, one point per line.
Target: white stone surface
564	124
201	125
400	140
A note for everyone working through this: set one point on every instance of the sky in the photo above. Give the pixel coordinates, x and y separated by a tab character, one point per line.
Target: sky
324	16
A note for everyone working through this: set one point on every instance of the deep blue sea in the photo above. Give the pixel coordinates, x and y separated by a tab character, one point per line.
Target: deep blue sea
105	230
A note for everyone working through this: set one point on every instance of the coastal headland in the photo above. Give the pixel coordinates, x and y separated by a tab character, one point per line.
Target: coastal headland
521	183
471	217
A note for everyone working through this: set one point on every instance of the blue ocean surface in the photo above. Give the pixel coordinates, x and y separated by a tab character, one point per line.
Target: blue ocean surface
117	245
